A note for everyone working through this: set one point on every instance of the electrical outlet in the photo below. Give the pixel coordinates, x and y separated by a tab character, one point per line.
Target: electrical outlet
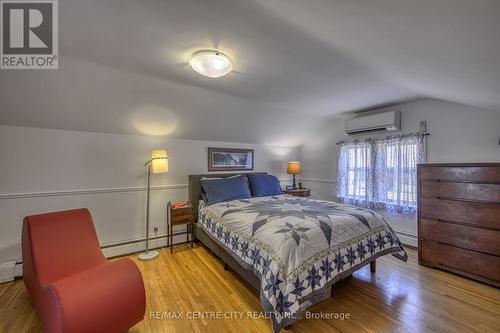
155	229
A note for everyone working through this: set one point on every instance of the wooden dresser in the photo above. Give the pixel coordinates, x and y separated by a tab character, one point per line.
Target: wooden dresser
459	219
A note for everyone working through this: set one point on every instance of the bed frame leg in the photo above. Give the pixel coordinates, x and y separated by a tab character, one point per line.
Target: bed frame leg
225	267
373	266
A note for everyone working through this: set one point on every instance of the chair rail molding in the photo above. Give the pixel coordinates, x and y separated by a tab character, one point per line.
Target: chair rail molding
318	180
4	196
91	191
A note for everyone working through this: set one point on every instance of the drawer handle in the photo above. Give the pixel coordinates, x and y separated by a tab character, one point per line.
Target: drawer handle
446	221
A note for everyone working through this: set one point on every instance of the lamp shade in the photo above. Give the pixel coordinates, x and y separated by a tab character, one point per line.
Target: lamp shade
159	161
293	168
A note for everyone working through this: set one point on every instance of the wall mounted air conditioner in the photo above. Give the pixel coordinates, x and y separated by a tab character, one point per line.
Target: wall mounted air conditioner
375	123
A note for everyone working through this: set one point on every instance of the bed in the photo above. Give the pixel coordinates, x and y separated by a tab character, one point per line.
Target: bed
291	249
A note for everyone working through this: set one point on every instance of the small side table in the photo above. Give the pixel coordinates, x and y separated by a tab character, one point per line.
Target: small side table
178	216
299	192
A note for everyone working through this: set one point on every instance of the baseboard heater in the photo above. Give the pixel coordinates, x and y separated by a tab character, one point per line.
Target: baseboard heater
14	269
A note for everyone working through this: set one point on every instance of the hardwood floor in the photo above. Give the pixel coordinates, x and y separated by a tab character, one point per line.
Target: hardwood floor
399	297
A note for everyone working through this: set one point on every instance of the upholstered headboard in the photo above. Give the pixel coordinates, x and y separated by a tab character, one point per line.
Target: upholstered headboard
194	187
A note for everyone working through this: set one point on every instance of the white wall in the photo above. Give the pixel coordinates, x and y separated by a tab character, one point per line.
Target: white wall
459	133
44	170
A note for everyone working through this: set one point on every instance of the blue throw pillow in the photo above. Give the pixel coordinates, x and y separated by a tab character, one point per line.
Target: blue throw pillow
203	195
264	185
225	189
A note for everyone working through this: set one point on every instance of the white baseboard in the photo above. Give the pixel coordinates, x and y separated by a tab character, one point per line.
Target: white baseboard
10	270
120	250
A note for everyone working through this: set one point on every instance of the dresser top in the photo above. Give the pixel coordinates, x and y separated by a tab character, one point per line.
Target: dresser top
493	164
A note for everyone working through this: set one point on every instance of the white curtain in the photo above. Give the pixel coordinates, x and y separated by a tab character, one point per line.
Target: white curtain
381	173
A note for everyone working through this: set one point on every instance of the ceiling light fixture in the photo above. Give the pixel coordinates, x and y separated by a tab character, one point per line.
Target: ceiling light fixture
211	63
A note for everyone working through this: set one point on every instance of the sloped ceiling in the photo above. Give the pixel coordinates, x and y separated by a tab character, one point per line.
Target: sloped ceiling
123	65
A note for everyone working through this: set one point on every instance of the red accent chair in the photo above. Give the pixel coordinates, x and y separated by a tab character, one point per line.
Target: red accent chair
74	288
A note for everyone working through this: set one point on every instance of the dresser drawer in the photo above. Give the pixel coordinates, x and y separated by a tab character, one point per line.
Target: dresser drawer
483	174
472	174
487	215
460	260
468	191
443	173
181	215
183	212
477	239
181	219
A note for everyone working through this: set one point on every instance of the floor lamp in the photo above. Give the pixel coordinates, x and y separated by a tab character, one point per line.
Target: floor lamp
157	164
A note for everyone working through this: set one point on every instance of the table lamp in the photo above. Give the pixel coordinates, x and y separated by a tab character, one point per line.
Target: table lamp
157	164
293	169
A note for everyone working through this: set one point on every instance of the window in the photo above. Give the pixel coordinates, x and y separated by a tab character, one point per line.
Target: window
380	173
357	168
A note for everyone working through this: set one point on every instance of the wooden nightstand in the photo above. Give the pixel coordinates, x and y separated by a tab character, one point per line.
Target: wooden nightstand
177	216
299	192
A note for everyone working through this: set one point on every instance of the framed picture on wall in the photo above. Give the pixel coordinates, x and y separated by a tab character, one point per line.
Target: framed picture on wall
230	159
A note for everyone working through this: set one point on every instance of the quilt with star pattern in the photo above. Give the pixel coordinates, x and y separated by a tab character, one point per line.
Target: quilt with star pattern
298	247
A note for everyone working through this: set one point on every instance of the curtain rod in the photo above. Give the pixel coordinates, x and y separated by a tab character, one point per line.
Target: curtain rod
421	133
